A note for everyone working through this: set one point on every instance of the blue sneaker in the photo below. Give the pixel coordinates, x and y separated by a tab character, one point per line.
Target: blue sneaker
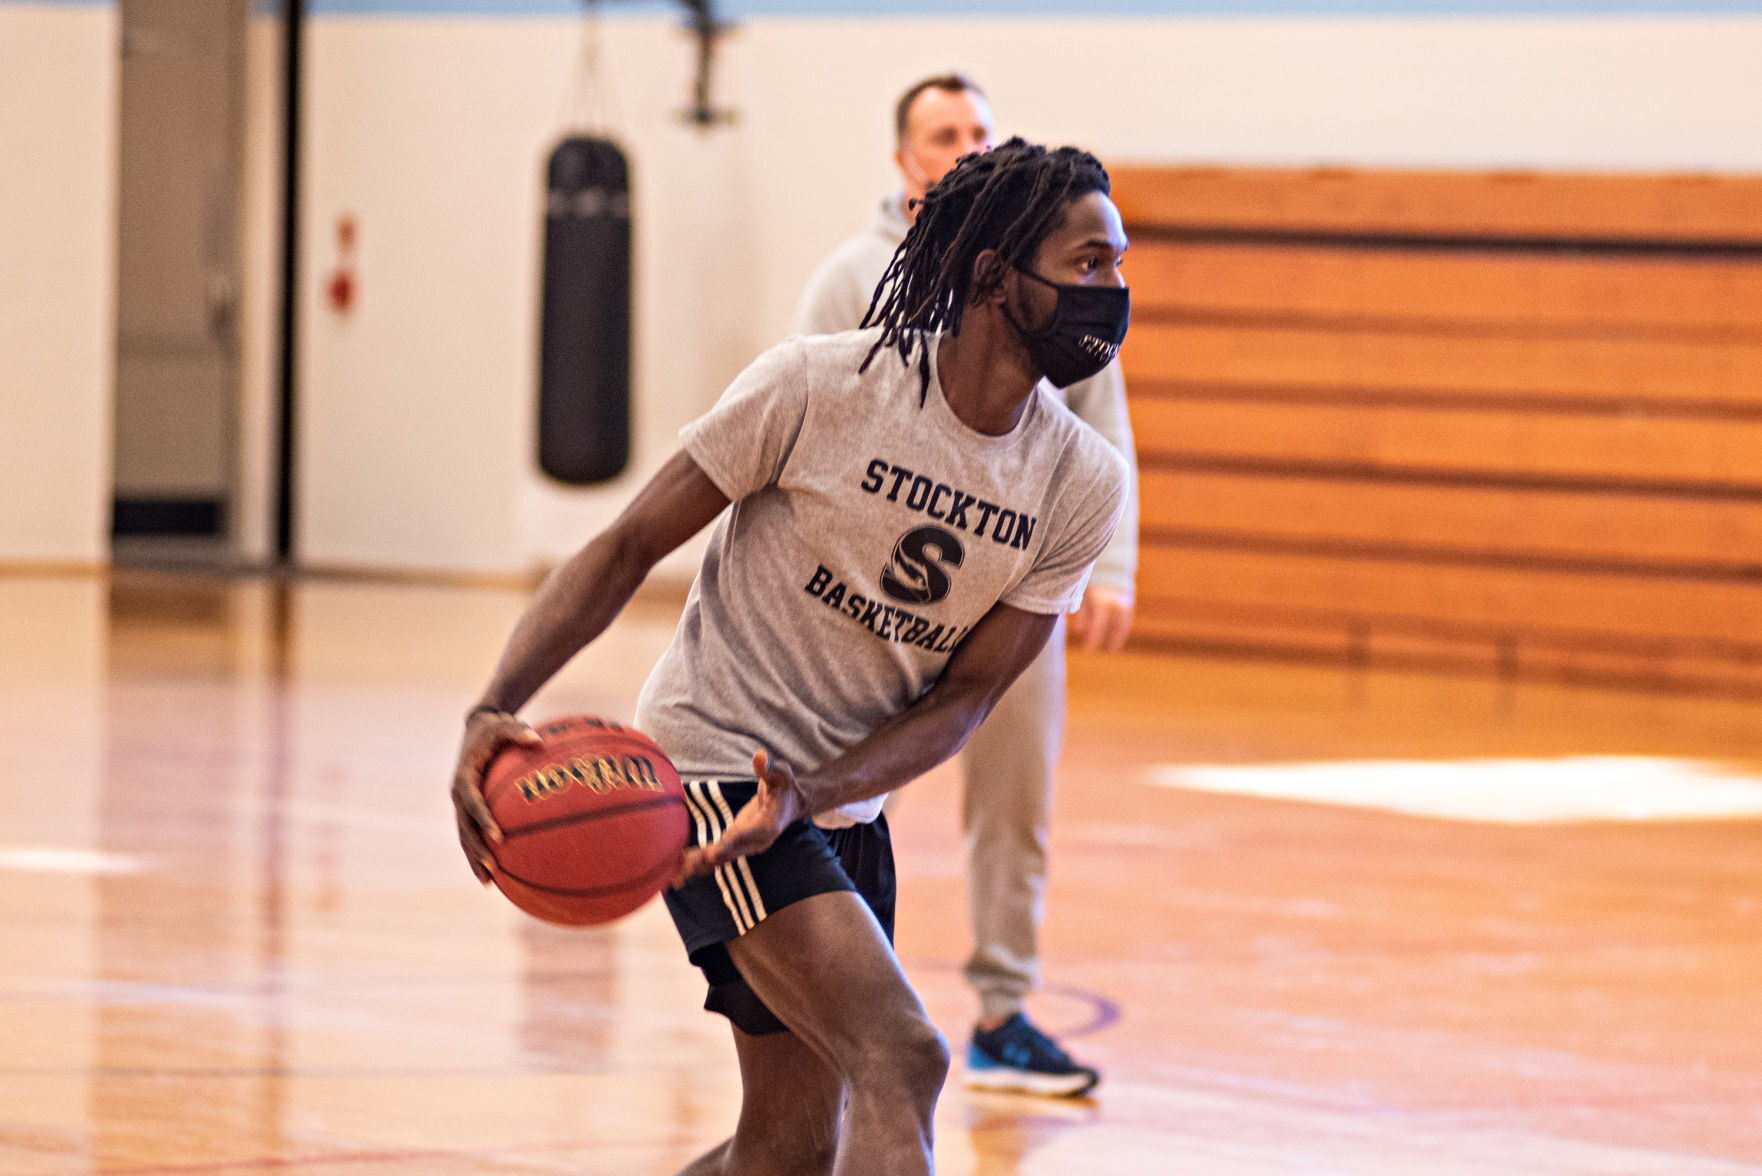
1017	1057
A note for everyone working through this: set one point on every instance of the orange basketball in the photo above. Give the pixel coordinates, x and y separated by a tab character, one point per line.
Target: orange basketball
594	820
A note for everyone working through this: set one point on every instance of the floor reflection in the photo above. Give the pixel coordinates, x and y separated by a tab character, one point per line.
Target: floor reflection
1005	1131
192	948
570	996
237	935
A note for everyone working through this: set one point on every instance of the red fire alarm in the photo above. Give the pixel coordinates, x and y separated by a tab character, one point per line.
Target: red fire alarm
340	289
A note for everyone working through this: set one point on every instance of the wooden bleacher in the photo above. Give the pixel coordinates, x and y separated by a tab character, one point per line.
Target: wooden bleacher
1503	422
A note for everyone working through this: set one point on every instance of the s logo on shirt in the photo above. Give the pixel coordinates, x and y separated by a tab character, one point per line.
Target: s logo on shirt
918	571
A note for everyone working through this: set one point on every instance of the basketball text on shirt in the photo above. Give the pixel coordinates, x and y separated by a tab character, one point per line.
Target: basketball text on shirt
883	620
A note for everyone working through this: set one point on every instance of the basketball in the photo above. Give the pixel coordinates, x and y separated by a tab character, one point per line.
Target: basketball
593	821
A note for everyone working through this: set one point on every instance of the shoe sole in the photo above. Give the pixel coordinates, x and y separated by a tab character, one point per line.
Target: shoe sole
1023	1082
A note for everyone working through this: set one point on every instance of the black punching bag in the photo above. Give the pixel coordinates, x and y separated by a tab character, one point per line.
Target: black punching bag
584	352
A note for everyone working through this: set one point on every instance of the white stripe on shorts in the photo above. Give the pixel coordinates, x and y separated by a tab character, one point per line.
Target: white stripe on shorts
746	871
697	816
726	874
708	830
710	815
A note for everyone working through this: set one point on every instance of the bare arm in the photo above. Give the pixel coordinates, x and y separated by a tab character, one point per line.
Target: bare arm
574	605
902	748
932	729
584	595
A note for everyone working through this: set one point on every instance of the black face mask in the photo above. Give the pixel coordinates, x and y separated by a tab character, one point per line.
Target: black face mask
1088	325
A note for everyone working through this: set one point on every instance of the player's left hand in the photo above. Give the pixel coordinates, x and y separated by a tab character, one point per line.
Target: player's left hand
1103	621
778	804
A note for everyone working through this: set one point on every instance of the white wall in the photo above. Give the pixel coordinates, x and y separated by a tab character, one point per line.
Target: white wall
58	104
416	410
415	434
433	131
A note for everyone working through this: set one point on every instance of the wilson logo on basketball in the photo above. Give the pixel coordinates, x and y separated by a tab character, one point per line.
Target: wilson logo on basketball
600	773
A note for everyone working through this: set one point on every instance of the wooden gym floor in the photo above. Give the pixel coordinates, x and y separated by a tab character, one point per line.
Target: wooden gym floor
236	935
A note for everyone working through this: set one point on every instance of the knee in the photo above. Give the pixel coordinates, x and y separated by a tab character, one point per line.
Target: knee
911	1062
929	1058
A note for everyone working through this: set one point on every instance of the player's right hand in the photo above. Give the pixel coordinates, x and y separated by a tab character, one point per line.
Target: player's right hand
486	732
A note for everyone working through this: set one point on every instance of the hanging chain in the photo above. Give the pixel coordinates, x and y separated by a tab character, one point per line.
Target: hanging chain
591	105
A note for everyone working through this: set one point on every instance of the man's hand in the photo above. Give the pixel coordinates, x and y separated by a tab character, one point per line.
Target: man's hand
486	732
1103	621
778	804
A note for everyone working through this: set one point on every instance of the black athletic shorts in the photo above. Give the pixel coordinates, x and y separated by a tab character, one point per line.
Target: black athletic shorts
805	860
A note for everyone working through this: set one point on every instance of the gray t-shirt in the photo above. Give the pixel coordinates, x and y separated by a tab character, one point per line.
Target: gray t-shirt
869	534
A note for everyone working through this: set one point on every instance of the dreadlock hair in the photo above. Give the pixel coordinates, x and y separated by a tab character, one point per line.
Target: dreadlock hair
1007	199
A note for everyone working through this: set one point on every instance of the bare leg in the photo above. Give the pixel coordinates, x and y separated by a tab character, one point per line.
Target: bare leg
795	1135
826	969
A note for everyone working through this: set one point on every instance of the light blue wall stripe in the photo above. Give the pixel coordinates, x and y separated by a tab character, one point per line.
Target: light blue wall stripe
495	8
737	9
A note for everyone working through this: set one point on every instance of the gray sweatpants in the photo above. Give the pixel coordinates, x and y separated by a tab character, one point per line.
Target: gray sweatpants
1006	806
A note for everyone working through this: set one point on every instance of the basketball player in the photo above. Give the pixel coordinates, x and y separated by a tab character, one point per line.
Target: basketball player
1007	765
911	512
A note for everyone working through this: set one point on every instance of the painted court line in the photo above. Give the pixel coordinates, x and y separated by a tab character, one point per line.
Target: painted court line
1500	791
45	859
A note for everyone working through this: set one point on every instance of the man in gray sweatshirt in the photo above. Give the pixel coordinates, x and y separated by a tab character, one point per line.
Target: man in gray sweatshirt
1008	763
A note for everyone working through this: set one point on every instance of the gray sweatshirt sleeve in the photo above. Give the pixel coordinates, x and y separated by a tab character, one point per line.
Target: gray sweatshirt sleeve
1101	402
837	296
